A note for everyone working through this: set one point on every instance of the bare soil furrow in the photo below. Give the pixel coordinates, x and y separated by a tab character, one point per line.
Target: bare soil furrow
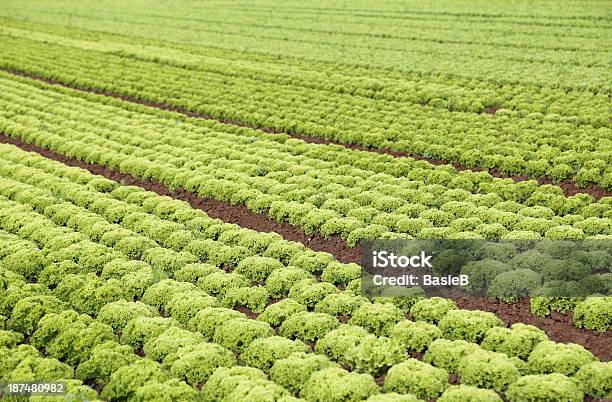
568	186
559	327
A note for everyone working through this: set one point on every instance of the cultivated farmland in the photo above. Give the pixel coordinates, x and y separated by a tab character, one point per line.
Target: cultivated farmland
187	188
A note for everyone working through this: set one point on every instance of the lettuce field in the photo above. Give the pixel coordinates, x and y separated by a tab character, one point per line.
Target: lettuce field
188	191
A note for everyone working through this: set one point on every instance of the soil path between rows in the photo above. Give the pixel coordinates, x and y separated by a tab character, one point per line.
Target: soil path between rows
237	214
568	186
559	327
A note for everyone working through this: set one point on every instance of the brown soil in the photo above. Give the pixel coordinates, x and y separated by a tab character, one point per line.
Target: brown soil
238	214
568	186
344	318
417	355
93	384
453	379
309	343
559	327
246	311
492	109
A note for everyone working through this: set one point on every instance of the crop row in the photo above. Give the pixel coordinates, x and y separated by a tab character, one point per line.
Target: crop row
118	293
577	108
537	144
330	189
138	234
520	55
102	350
454	95
451	93
430	28
480	61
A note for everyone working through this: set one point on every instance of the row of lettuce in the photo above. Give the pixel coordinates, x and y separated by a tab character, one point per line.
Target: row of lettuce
81	299
336	191
504	270
533	65
450	93
515	143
